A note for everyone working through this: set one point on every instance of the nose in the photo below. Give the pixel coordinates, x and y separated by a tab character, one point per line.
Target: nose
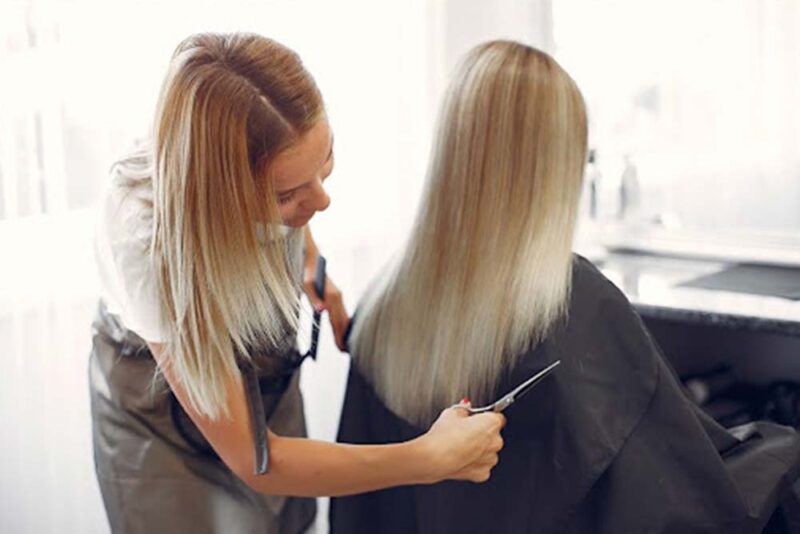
319	199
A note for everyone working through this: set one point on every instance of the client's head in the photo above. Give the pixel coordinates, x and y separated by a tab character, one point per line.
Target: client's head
486	271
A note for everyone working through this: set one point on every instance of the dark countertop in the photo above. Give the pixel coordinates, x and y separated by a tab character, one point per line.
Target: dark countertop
653	283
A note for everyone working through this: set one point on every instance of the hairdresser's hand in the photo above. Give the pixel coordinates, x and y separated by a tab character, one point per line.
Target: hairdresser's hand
332	301
464	447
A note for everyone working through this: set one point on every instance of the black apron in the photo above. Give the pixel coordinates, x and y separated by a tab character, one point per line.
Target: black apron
157	473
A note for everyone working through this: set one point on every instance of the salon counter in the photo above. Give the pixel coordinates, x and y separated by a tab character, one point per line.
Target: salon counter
660	288
708	314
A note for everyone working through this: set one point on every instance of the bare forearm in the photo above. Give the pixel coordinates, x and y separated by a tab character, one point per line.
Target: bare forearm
304	467
457	446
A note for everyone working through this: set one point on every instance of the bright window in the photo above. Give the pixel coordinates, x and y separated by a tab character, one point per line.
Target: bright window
701	97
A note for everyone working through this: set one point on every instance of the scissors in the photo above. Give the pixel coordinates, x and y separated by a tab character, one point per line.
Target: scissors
508	399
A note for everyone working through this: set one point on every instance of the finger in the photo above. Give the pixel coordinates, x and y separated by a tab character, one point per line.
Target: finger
480	476
475	473
500	420
331	297
338	310
311	293
492	421
486	462
339	323
332	293
483	471
338	334
459	410
489	464
338	317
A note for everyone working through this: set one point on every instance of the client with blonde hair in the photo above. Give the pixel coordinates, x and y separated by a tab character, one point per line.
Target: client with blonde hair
200	249
485	293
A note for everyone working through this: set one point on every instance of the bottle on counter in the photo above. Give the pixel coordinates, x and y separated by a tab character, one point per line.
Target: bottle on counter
592	186
629	192
587	239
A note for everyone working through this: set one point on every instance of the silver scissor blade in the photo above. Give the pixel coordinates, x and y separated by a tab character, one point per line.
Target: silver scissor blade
523	388
508	399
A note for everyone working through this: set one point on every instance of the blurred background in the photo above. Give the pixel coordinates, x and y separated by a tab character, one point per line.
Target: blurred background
694	130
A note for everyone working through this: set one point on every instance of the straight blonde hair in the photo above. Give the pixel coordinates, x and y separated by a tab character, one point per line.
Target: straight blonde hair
229	104
486	271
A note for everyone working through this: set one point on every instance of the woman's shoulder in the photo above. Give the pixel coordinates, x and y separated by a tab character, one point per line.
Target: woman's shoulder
585	274
603	335
125	216
123	237
592	291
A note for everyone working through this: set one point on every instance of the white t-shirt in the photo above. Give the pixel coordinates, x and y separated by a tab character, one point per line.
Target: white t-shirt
122	251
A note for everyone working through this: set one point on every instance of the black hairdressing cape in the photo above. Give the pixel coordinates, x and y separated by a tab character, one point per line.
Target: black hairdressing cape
607	443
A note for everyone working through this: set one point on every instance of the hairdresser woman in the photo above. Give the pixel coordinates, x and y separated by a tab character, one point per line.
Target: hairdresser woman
198	419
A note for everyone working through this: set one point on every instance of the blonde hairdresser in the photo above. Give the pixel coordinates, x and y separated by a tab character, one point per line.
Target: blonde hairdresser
218	286
240	150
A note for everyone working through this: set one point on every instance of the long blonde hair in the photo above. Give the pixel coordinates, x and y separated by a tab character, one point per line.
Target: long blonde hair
228	105
486	271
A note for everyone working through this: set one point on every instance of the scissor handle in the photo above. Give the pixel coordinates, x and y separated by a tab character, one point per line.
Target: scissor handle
496	407
502	404
475	411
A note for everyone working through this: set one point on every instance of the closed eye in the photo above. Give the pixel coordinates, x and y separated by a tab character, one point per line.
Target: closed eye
283	199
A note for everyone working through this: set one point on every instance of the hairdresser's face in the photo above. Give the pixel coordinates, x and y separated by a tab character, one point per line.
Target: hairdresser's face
298	174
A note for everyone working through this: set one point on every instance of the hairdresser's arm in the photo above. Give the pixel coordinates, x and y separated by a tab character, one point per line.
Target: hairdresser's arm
332	300
456	447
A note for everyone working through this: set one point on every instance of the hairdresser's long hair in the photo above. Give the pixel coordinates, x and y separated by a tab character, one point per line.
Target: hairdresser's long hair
486	272
228	105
